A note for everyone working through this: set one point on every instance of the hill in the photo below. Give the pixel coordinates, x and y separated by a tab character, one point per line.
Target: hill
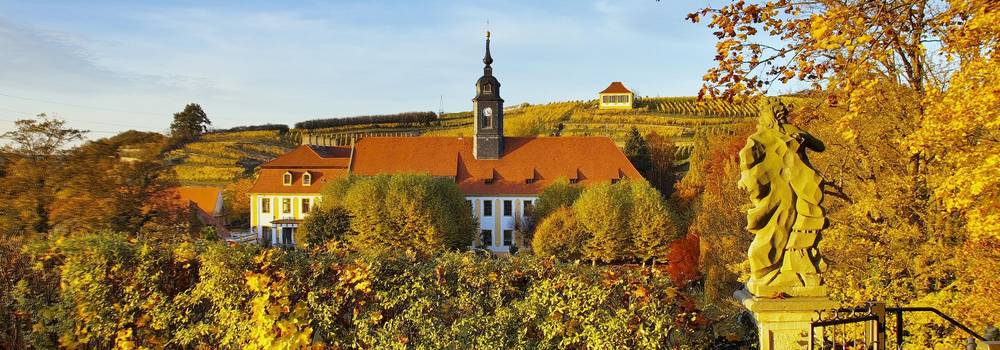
221	157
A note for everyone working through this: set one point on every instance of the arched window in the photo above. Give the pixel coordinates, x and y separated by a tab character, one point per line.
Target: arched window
487	122
307	179
488	88
287	179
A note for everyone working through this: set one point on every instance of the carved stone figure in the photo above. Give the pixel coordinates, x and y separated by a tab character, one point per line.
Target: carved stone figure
786	218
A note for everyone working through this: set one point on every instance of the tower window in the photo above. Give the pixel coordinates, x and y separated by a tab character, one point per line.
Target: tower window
307	179
487	121
487	88
286	179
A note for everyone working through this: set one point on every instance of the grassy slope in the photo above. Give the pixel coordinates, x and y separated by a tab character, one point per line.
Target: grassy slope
221	157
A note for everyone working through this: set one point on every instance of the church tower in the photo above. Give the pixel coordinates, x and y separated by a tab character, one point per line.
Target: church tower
487	112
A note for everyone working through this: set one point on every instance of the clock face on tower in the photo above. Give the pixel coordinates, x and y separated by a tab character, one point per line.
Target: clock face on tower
488	111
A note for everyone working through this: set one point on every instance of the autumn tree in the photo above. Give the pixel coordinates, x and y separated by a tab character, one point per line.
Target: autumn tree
560	235
35	154
912	132
637	151
662	155
108	191
625	221
559	194
407	211
236	199
651	224
189	123
324	224
603	210
715	210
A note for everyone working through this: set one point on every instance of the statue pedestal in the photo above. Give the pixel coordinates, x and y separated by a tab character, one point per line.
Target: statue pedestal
784	323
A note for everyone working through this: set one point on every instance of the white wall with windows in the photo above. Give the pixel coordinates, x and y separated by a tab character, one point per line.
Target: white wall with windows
275	217
615	100
499	220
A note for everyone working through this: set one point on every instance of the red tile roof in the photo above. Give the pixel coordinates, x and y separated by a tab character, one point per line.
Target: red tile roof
324	163
271	181
528	165
309	156
204	197
616	88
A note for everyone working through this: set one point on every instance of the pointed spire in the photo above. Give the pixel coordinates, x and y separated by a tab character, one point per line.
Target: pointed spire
488	60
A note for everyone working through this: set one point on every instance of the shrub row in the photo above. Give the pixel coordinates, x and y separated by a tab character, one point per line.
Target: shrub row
105	290
282	128
406	117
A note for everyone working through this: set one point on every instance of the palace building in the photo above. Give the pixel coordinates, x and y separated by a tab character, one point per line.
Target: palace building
616	96
500	176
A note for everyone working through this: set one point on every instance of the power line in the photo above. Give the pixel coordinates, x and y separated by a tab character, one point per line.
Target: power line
101	108
78	120
19	112
77	105
87	131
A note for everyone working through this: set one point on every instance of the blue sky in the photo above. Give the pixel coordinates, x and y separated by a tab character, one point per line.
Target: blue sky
110	66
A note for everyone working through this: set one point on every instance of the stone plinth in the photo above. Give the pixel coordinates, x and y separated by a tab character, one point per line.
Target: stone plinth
783	324
989	345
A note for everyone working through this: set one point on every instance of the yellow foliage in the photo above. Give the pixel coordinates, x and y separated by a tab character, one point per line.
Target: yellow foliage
278	323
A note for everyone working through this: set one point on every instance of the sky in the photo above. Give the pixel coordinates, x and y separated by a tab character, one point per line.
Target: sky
110	66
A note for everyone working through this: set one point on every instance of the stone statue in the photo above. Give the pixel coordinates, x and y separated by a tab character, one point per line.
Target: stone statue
786	217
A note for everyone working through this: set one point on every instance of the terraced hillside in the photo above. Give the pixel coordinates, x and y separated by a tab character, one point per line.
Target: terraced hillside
678	118
222	157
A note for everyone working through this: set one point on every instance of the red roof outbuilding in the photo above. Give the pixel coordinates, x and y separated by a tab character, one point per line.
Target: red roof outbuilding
616	88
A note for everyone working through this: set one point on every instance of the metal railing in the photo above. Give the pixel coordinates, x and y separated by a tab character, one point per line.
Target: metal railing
849	328
865	327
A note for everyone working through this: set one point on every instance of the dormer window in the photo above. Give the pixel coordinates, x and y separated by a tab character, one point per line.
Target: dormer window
489	180
574	181
287	179
307	179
